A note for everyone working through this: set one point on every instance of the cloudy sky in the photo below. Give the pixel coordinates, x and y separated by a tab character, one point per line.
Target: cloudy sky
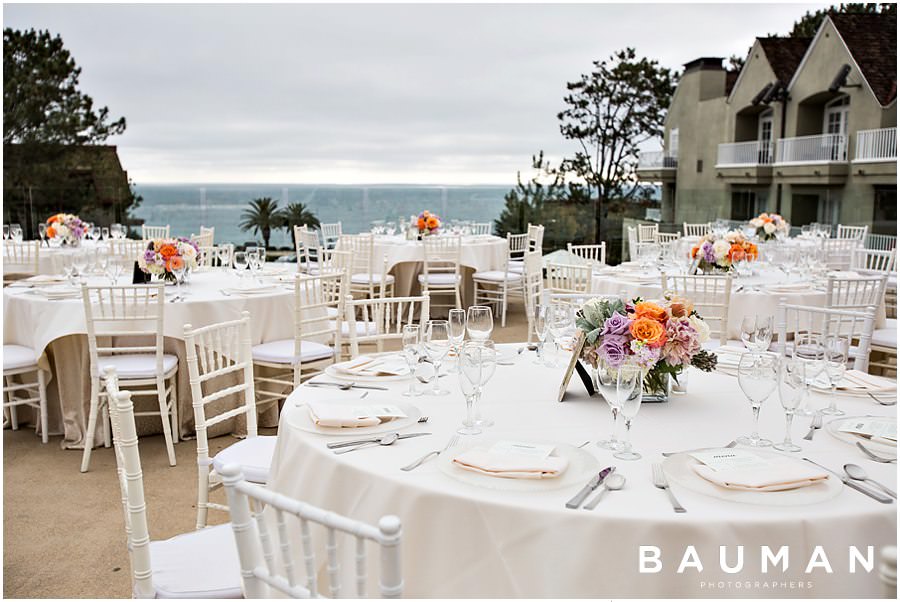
439	94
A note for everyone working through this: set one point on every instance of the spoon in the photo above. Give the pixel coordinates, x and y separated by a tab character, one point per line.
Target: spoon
857	473
613	482
386	440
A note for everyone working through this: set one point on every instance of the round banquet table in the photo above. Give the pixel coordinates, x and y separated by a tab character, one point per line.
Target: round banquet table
51	260
758	294
56	330
466	540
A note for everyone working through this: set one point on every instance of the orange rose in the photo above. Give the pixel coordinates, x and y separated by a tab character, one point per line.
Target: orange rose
694	252
51	232
734	249
649	331
421	223
752	251
646	309
680	307
432	223
167	251
55	219
174	262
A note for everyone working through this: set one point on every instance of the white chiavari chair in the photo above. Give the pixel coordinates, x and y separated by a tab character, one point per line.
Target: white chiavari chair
198	564
19	362
127	248
516	248
267	554
796	320
206	238
838	252
594	255
218	355
711	295
566	278
632	243
667	237
441	270
298	245
873	261
135	312
331	233
696	229
532	287
852	232
364	279
312	251
206	256
493	287
375	321
21	258
854	293
154	232
535	238
648	232
881	242
482	229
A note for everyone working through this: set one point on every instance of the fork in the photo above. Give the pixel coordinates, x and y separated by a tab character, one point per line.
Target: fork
866	451
453	440
813	426
884	403
659	480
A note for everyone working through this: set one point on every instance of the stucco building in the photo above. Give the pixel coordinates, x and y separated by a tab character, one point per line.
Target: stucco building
806	128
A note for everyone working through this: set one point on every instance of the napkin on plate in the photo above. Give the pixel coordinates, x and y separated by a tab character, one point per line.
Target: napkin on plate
855	380
366	365
252	290
511	466
780	474
344	416
45	278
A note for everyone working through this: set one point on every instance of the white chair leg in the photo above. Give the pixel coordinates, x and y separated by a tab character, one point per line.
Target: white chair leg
104	416
164	415
91	425
503	301
176	427
42	393
202	496
11	396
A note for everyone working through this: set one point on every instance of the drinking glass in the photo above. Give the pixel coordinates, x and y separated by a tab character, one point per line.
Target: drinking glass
240	262
541	327
223	253
437	344
42	232
790	393
837	350
739	261
68	266
477	364
253	262
55	242
79	263
5	231
648	253
756	332
559	319
629	392
15	232
457	320
104	233
606	385
479	323
411	340
114	268
179	275
757	377
488	359
809	349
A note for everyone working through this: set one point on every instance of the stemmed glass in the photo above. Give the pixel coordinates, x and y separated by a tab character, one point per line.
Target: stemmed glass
104	233
411	340
756	333
223	253
810	350
559	319
488	359
607	385
79	263
114	267
240	262
15	232
837	350
629	393
437	344
253	262
791	381
5	231
478	361
479	323
541	327
457	320
757	376
42	232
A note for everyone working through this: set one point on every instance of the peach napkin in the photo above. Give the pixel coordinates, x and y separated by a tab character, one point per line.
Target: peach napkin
339	416
781	474
511	466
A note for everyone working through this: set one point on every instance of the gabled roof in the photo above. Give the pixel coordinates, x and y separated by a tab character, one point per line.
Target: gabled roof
871	39
784	55
731	78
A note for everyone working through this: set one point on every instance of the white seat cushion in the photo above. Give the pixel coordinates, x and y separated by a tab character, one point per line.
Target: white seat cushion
497	276
363	278
136	365
516	266
18	356
282	352
439	279
332	312
199	564
887	336
362	328
253	454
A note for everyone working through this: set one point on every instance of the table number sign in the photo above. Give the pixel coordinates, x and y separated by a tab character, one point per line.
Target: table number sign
575	366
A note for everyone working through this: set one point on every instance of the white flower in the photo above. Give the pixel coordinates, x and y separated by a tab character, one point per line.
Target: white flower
62	230
733	236
756	222
769	228
720	249
701	327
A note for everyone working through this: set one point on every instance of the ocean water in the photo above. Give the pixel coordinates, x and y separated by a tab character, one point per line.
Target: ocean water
187	207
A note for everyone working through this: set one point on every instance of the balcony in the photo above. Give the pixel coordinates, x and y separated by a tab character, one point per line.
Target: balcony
746	162
659	166
875	155
820	159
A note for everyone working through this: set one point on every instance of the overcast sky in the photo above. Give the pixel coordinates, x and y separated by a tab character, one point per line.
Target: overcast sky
440	94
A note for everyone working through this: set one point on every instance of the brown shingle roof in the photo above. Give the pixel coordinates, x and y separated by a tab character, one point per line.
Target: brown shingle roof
730	80
872	40
784	55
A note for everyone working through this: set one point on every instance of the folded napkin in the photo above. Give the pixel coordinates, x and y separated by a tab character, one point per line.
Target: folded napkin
366	365
857	380
844	274
789	287
252	290
511	466
344	416
62	292
45	278
780	475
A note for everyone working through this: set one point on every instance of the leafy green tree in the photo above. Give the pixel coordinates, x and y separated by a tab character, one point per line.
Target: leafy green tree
809	23
609	113
297	214
262	217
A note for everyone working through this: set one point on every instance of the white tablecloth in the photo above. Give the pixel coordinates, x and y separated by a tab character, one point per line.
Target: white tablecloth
462	540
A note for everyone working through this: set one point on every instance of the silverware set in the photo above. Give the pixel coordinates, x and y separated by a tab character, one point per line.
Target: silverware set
344	447
661	482
595	482
873	456
415	464
855	483
344	386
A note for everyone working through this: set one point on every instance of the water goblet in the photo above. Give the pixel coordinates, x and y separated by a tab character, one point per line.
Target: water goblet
790	393
488	359
115	266
15	232
79	263
457	320
756	332
809	349
223	253
42	232
479	323
477	363
629	392
837	351
606	382
240	262
757	377
437	344
560	317
411	345
104	232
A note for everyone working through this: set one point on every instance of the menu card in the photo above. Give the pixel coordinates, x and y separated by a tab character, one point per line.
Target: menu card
871	428
519	448
729	459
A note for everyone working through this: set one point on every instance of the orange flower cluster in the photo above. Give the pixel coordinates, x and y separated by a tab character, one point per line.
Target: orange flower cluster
649	325
55	219
751	253
428	221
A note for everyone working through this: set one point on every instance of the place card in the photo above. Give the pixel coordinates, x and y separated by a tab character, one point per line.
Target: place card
519	448
570	369
384	412
871	428
729	459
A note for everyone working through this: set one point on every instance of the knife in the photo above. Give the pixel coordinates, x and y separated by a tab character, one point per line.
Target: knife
372	440
352	386
854	485
576	501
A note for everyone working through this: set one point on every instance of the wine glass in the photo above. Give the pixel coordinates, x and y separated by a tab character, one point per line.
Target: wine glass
437	344
477	364
104	232
837	351
629	393
757	376
240	262
79	263
756	332
94	232
559	319
791	381
15	232
541	328
457	320
253	263
809	349
606	384
488	359
42	232
224	254
479	323
5	231
411	340
114	268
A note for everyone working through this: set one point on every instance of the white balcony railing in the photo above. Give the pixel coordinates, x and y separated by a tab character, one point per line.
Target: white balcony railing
756	152
876	145
657	160
824	148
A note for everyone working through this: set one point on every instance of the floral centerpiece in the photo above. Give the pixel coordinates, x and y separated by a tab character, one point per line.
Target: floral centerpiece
769	225
164	256
428	223
717	253
663	339
67	227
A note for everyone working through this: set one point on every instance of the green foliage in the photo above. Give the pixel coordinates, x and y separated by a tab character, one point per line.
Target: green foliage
297	214
262	217
808	24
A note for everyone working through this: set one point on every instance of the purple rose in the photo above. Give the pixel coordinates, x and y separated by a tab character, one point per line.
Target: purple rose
616	324
708	255
612	350
149	256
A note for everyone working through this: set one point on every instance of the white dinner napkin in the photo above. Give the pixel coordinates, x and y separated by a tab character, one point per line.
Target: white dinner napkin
779	474
45	278
366	365
257	289
59	292
789	287
511	466
347	416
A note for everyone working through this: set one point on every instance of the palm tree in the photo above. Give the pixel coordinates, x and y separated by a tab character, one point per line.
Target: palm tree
297	214
262	216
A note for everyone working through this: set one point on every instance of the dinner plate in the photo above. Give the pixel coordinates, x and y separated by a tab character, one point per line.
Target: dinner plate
335	373
876	446
57	293
299	418
678	470
582	466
